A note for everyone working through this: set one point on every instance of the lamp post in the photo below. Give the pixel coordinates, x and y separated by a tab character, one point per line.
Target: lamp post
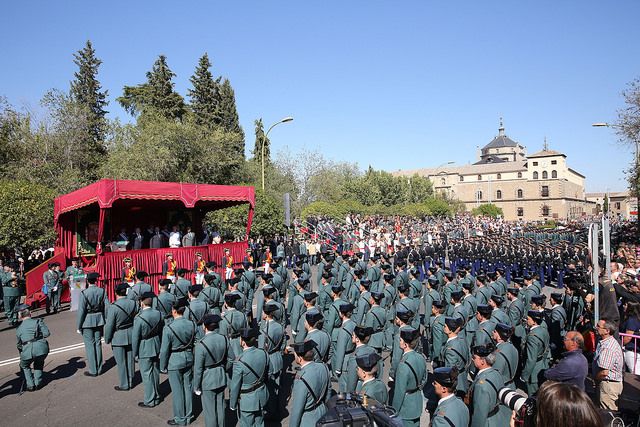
264	140
635	177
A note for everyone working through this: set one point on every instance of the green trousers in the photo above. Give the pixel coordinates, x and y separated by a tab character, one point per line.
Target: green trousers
124	361
181	395
213	407
33	377
93	348
250	419
150	373
10	303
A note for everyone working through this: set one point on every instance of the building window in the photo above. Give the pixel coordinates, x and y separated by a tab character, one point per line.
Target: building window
554	174
499	194
443	181
535	175
479	177
479	195
520	211
535	163
617	205
545	175
519	174
554	162
461	178
545	191
546	210
499	176
520	193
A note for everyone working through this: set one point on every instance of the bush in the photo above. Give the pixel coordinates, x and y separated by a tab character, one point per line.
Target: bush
488	209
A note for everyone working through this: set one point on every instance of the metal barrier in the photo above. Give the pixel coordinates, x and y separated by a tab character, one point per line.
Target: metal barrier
631	360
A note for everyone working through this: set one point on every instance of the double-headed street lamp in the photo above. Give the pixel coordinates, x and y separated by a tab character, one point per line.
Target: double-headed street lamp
264	140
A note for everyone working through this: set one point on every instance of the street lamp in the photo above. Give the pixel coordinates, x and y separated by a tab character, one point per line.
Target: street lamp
264	140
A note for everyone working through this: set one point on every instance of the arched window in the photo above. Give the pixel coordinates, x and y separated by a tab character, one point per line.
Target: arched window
520	211
443	181
461	178
545	175
554	174
520	193
499	194
546	210
499	176
479	195
535	175
479	177
519	174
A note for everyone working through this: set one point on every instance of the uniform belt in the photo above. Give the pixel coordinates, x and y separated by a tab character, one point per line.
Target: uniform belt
493	411
182	349
252	388
125	326
273	351
215	365
33	340
95	311
349	352
611	381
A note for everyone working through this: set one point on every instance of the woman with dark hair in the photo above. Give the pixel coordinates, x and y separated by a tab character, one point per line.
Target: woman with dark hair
631	325
562	403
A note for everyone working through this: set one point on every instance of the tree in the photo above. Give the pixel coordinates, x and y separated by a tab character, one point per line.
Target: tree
605	204
156	94
205	94
26	216
260	140
86	92
231	222
268	217
228	114
628	128
488	209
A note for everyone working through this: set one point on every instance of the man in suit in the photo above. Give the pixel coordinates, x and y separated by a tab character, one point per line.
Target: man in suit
156	239
451	410
31	337
248	391
118	332
176	359
211	360
370	385
311	387
147	330
92	312
410	379
189	238
138	239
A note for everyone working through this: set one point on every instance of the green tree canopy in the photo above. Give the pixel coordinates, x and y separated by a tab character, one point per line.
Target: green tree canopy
229	119
261	139
488	209
205	94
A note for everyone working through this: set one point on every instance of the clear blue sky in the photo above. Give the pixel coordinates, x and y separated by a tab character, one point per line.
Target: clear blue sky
394	84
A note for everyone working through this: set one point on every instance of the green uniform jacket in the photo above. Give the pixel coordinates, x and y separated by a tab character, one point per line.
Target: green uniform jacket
486	406
31	342
516	316
147	331
137	290
375	389
92	308
164	303
181	288
332	317
178	339
349	379
376	318
248	389
455	352
499	316
438	337
484	333
362	307
537	354
396	351
409	304
344	345
410	378
451	412
323	344
272	340
506	362
310	392
195	312
210	362
119	324
430	296
213	297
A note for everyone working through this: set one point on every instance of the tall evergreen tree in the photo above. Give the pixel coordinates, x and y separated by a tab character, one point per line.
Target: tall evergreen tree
205	94
86	92
228	114
257	147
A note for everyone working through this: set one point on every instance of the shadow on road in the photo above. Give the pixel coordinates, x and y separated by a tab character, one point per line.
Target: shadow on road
64	371
11	386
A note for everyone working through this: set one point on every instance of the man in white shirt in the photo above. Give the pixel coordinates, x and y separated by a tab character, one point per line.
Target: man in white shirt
174	238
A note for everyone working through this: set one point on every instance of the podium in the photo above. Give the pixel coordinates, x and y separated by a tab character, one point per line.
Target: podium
76	285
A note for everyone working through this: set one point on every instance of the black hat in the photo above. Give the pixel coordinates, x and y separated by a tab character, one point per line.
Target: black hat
498	299
527	276
148	294
337	287
483	350
433	269
409	334
432	280
462	273
367	361
456	295
238	272
165	282
536	315
246	333
310	296
504	330
403	287
389	277
92	276
231	298
467	285
246	264
181	302
484	309
513	291
556	296
518	280
233	281
270	308
481	277
267	277
21	307
303	282
492	275
121	289
362	331
301	348
404	315
268	290
446	376
538	299
365	283
377	295
438	303
211	320
448	275
313	316
195	288
452	323
500	270
346	307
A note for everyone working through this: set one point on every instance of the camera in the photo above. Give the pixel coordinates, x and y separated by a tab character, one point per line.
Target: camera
347	409
524	406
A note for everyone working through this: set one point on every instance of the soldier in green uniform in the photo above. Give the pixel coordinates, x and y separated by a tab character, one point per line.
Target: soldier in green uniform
558	320
92	312
449	286
332	315
410	379
147	331
11	295
196	310
403	320
212	295
248	391
349	379
176	359
324	292
211	359
296	304
483	292
118	332
470	305
314	332
363	303
431	294
343	342
451	410
516	312
455	352
139	287
51	279
369	383
71	271
165	301
498	315
31	337
507	355
376	318
301	329
181	288
484	331
536	351
406	303
311	387
272	340
487	411
232	322
389	304
460	312
437	335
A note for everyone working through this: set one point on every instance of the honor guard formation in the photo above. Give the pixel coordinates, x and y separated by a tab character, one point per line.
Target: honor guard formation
445	316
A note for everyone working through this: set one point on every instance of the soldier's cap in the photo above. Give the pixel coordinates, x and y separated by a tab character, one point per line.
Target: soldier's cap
538	299
438	263
456	295
504	329
484	309
181	271
466	284
362	331
313	316
297	270
432	279
414	271
462	273
327	275
481	278
21	307
385	266
367	361
301	348
536	315
309	296
247	333
366	283
231	298
483	350
527	276
448	275
165	282
500	270
446	376
498	299
346	308
409	334
195	288
93	276
211	320
238	271
433	269
389	277
337	287
438	304
518	280
492	275
233	280
268	290
513	291
270	308
556	296
127	259
168	254
453	323
404	315
181	302
400	263
198	253
303	282
403	287
267	277
148	294
377	295
121	289
246	264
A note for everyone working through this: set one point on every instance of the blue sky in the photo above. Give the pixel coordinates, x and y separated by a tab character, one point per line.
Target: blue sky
392	84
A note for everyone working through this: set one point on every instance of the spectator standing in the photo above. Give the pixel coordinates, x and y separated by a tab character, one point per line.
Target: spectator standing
608	365
573	367
631	325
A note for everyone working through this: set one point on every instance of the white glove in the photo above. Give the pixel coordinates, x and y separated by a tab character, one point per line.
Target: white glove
197	392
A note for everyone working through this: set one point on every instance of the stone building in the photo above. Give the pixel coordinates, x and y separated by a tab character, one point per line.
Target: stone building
621	204
537	186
